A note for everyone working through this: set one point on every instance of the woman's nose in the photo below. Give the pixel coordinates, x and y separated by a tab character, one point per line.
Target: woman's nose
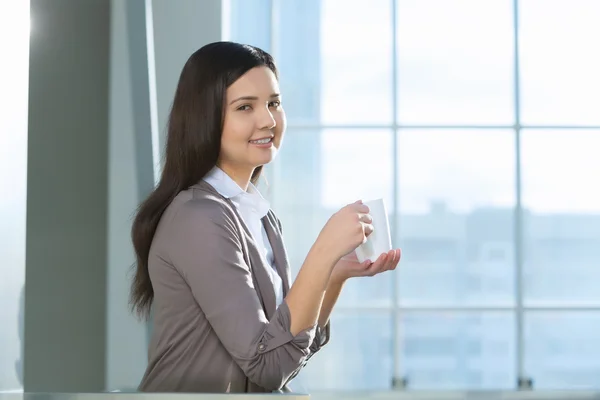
266	120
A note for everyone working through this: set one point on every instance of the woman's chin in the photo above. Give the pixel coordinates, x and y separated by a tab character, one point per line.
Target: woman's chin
265	159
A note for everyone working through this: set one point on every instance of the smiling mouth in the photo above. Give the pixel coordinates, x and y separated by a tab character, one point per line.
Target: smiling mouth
262	141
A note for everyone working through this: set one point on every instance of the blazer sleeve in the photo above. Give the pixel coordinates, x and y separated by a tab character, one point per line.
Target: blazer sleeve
207	252
322	335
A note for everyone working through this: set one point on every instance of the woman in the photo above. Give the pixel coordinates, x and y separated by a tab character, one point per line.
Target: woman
210	256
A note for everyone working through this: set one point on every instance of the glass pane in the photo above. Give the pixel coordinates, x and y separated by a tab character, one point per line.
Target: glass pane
14	81
458	351
359	356
559	62
562	358
298	55
317	173
455	62
561	200
336	61
249	22
456	228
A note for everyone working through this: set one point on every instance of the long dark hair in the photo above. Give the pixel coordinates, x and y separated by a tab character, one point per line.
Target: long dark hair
193	143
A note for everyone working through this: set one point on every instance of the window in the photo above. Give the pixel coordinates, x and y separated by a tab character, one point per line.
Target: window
447	73
562	229
480	128
360	358
439	350
559	84
556	359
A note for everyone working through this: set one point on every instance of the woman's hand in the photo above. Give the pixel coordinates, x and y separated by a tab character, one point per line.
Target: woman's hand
346	230
349	267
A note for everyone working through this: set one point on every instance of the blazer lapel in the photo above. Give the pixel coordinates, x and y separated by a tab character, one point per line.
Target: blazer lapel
279	254
260	275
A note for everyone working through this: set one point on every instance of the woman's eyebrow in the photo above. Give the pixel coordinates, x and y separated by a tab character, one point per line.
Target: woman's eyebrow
274	95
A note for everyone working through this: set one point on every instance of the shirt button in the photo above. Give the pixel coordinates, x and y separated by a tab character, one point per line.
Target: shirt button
261	347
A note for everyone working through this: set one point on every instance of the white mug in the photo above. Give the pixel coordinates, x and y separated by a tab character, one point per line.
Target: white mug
380	241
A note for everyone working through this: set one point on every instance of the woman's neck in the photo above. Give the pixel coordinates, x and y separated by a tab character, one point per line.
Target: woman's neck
239	175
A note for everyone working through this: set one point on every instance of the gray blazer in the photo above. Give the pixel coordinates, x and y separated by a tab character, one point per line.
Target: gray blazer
216	325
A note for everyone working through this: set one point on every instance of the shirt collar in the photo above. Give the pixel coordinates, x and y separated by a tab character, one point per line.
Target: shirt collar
229	189
223	183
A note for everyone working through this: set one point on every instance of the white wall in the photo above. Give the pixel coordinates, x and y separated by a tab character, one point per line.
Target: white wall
14	81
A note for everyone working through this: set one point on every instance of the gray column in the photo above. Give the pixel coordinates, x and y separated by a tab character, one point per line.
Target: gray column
67	196
130	178
147	36
178	32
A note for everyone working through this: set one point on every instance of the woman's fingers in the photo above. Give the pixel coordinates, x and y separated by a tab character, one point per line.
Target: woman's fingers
378	266
367	223
393	260
367	230
385	262
366	218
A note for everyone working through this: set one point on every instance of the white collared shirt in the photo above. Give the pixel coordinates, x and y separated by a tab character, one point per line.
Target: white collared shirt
252	208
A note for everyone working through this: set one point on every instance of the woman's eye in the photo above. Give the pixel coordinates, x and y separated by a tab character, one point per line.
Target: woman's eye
275	103
244	108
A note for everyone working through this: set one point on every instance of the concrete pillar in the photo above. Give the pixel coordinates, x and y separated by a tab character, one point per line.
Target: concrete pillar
67	164
178	32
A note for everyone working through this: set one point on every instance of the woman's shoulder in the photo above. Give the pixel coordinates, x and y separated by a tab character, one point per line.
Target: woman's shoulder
195	214
196	221
199	202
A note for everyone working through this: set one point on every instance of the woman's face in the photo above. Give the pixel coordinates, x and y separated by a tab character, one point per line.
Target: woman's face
254	121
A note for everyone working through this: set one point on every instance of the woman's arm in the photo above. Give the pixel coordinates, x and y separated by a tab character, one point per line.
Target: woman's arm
311	298
305	297
334	289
